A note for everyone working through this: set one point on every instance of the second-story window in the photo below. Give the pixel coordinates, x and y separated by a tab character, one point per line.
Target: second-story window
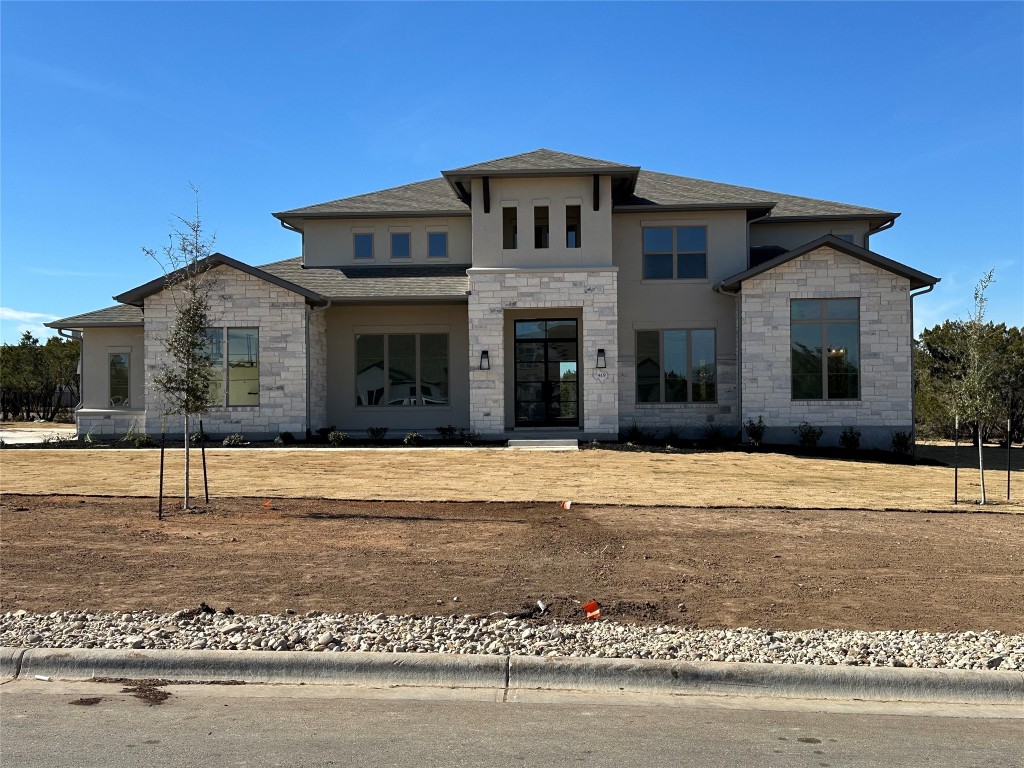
401	245
509	227
541	226
437	245
573	233
679	253
363	245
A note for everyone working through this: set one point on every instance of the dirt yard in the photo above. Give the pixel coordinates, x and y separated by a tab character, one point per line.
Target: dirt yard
780	568
689	479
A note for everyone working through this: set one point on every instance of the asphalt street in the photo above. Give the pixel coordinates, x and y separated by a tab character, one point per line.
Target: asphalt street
98	724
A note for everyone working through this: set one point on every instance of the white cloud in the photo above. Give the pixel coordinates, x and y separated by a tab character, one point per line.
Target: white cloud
14	322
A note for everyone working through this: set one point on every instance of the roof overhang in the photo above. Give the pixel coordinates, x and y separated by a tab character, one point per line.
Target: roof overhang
917	279
754	210
137	296
623	177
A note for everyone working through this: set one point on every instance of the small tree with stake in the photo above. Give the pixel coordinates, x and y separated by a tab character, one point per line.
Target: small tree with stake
184	377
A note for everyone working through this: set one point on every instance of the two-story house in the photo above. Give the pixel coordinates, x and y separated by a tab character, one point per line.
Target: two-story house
543	294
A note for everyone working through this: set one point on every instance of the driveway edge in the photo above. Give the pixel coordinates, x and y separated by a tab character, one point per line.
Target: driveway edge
513	673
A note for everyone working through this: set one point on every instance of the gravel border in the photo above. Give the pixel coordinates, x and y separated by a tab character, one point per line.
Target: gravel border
500	635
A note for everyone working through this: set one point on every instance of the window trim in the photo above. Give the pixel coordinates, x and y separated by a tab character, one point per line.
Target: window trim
823	321
385	402
690	382
675	253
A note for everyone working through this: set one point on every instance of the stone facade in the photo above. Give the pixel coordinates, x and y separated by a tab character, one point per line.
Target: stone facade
493	292
240	300
107	423
885	404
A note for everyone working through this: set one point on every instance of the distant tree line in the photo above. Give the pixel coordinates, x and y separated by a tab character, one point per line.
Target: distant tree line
990	358
38	380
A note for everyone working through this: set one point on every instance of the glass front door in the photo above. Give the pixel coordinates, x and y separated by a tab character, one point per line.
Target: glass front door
546	384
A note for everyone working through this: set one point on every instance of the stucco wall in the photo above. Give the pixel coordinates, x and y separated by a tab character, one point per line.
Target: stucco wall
330	242
239	300
344	322
96	416
555	193
886	396
793	234
318	370
493	292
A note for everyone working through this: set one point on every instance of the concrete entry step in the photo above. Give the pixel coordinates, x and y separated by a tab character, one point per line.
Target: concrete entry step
545	445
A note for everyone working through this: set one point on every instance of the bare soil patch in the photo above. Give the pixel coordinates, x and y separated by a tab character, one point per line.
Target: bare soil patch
773	568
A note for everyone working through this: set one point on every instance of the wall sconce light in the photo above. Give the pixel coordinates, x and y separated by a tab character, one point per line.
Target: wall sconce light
602	361
485	361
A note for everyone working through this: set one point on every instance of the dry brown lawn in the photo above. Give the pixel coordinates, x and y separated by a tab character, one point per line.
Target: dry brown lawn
686	479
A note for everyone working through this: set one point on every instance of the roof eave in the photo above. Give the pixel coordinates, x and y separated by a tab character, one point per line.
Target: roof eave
758	207
60	324
291	216
869	215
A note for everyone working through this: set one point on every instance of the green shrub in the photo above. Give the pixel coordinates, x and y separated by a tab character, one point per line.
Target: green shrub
808	435
200	437
755	430
376	434
850	438
324	433
469	437
638	435
337	438
233	441
138	440
714	435
447	433
902	443
285	438
413	438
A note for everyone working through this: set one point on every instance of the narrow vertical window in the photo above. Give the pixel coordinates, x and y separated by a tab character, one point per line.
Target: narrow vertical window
648	367
369	369
510	227
215	349
120	391
437	245
363	245
243	366
401	245
573	232
541	228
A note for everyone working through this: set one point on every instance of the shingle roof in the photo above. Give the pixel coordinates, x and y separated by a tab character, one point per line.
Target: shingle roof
539	160
436	196
117	315
431	196
917	279
665	189
428	281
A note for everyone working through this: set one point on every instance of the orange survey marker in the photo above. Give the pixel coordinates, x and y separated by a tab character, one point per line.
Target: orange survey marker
566	504
267	503
593	609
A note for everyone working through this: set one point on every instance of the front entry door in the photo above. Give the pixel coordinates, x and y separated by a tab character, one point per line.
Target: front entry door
546	384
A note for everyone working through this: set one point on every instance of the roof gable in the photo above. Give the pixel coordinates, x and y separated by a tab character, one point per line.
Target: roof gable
137	296
917	279
539	161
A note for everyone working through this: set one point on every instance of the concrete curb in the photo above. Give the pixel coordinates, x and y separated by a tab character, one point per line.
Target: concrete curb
512	673
766	680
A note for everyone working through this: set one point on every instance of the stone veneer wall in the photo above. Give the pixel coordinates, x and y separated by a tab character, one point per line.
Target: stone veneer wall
886	387
493	291
109	423
240	300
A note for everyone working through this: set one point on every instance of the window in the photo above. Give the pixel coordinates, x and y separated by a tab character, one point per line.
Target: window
847	236
541	228
572	226
401	245
118	364
676	366
825	349
510	227
237	374
437	245
402	369
363	243
675	252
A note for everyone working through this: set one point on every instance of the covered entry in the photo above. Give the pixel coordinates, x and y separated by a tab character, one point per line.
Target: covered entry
546	381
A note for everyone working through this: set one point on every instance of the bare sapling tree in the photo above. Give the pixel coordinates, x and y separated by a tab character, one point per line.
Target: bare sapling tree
183	379
975	393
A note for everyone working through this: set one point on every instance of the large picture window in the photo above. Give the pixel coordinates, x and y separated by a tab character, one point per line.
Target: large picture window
402	369
235	376
676	366
679	253
118	364
825	349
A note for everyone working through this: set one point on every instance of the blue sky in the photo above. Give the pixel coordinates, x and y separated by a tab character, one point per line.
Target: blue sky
110	110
